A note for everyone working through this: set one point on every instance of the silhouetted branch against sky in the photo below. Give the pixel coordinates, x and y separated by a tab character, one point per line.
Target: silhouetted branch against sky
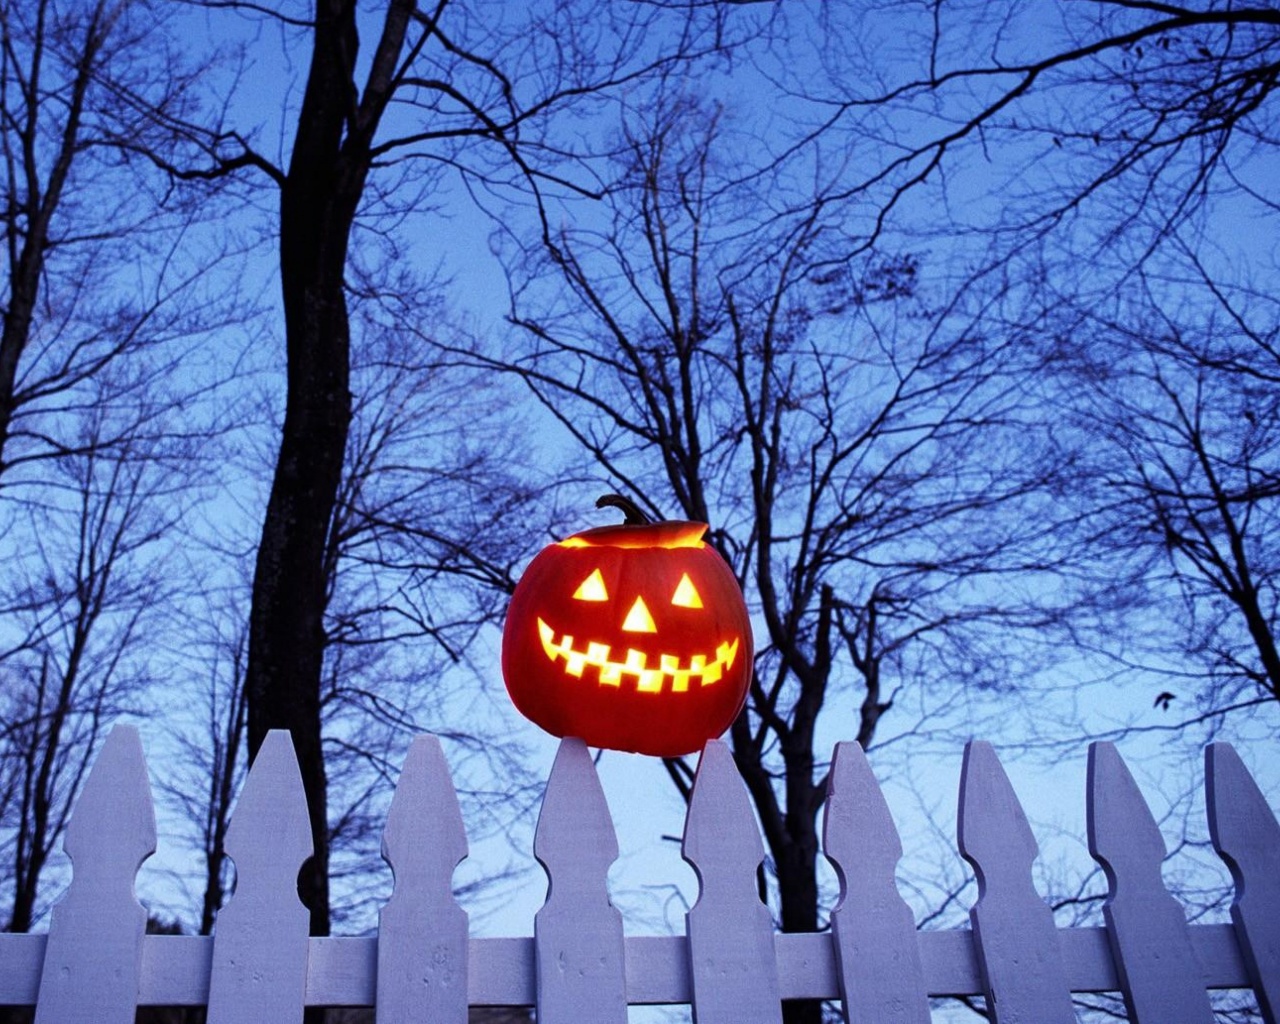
957	322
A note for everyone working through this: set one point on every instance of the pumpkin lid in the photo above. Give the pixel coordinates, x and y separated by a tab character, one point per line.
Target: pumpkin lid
665	534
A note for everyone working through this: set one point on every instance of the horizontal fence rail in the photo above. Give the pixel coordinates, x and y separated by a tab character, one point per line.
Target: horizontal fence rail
96	964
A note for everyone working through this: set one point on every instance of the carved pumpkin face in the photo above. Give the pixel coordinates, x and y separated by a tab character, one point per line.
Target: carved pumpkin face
633	637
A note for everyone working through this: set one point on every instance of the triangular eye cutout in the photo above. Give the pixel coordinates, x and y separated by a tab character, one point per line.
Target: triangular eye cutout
638	619
591	589
686	595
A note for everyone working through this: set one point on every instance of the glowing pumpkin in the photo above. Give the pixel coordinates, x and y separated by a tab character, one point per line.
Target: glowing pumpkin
633	637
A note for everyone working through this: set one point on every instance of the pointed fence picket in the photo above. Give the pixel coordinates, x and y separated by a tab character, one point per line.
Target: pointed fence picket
1247	838
111	834
1024	978
422	932
579	955
872	928
733	967
260	949
1146	927
96	965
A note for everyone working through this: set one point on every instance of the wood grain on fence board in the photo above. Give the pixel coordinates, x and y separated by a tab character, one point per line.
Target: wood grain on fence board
1245	834
577	934
93	957
422	932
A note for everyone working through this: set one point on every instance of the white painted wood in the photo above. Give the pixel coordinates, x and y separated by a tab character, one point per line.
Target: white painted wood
1017	943
1245	834
874	932
422	932
21	957
732	963
1159	977
259	968
658	969
343	971
577	934
501	972
92	960
175	970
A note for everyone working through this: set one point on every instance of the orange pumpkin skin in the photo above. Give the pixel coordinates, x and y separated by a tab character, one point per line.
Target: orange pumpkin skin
632	637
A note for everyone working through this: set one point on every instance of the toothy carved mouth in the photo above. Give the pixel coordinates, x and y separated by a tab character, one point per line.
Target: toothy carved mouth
702	669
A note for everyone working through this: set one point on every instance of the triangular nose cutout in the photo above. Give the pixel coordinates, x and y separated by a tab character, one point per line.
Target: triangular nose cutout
639	620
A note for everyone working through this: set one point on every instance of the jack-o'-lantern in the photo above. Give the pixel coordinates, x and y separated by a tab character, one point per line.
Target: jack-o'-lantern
633	637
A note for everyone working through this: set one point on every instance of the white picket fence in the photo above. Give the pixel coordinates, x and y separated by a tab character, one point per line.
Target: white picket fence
96	964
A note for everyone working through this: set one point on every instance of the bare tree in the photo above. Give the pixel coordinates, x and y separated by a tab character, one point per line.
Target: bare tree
1172	384
868	470
83	584
432	516
477	87
98	249
203	780
106	305
1104	166
1032	120
1129	146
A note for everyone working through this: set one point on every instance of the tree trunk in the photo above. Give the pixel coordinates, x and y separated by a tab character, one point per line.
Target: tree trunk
796	862
791	833
24	286
798	889
290	588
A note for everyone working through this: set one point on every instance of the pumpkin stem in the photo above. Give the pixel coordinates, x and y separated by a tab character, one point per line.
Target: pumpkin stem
634	513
